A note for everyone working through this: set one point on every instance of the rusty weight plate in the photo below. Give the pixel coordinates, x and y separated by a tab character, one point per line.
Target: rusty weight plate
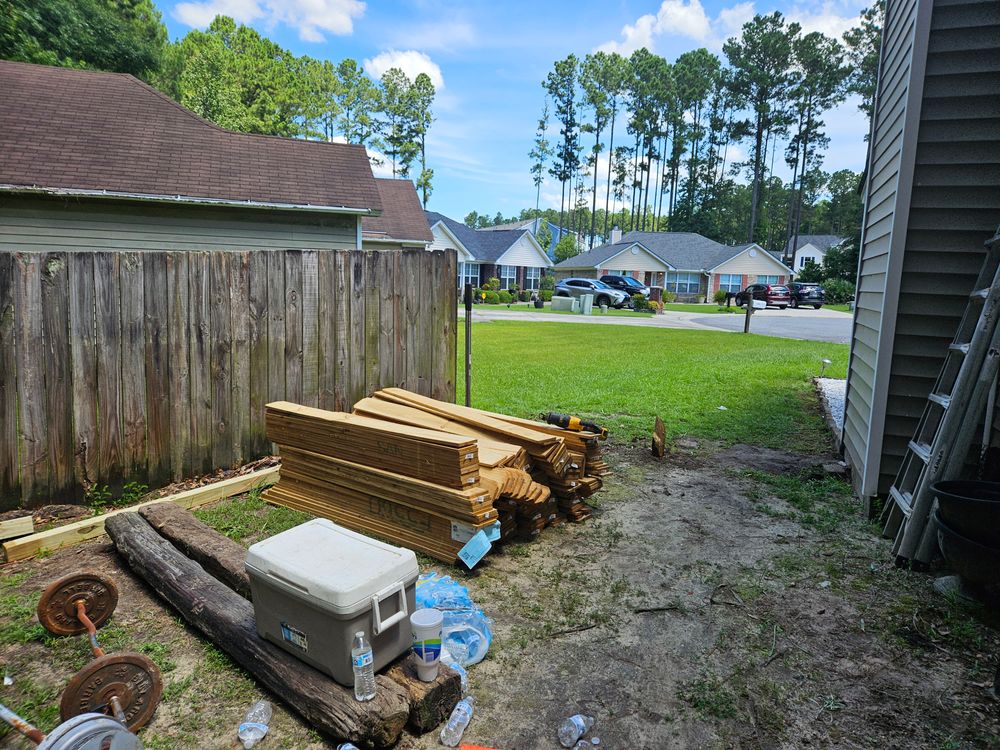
133	678
57	607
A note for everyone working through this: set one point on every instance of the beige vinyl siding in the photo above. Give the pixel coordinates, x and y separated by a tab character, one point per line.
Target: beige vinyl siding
760	265
443	242
640	261
66	224
524	253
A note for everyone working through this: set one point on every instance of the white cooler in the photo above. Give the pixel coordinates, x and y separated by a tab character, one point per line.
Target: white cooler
315	585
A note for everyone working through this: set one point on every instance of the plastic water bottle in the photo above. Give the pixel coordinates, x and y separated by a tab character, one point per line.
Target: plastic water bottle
583	745
574	728
254	725
347	746
364	668
460	717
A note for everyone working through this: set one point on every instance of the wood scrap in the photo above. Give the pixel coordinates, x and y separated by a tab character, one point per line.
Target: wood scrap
16	527
227	620
659	439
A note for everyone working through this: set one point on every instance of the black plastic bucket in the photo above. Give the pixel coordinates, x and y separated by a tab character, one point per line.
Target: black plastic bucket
971	509
978	564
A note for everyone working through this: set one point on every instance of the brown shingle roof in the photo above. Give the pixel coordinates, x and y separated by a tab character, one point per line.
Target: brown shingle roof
402	216
79	130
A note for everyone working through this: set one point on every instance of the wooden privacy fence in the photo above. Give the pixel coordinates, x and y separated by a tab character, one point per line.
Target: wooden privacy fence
151	366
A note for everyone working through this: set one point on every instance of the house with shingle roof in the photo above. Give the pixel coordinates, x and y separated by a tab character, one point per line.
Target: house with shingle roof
511	255
403	223
691	266
102	160
809	248
534	226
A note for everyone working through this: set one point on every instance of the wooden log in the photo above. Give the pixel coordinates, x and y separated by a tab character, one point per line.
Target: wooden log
16	527
659	439
219	555
430	702
226	619
90	528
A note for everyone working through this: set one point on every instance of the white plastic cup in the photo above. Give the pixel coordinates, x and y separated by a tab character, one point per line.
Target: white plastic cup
425	624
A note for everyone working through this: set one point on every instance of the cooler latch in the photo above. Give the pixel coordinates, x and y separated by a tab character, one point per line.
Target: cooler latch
378	624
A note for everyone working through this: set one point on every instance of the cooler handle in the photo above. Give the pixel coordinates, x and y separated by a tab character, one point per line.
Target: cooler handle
378	624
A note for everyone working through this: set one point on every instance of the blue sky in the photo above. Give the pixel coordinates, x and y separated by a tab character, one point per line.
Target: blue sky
488	60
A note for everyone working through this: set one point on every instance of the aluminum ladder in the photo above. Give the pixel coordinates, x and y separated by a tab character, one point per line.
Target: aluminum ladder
954	409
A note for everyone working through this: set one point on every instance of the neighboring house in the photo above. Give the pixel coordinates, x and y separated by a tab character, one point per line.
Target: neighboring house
533	226
932	198
691	266
403	223
104	161
511	255
810	248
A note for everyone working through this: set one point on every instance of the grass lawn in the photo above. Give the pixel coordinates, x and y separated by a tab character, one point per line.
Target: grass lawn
677	307
625	375
692	307
839	308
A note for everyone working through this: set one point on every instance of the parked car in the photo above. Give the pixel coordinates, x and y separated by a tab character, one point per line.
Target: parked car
603	294
627	284
771	294
805	293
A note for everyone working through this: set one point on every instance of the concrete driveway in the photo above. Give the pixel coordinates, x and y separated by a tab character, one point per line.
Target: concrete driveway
807	324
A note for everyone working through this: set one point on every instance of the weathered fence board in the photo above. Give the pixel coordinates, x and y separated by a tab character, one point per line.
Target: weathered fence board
147	366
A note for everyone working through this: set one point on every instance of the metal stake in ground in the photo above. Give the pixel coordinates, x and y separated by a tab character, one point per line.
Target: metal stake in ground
468	344
125	686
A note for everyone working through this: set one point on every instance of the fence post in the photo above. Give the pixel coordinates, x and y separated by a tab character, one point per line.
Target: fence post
468	344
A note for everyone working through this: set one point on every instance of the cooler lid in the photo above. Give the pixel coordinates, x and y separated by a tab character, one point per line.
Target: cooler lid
337	567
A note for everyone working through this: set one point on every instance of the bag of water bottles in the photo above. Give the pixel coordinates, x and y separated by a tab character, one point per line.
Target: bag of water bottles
466	631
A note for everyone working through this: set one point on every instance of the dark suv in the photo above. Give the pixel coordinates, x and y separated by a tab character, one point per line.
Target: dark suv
627	284
805	293
771	294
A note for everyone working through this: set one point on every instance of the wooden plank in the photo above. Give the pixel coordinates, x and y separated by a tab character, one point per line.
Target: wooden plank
659	438
373	322
356	355
16	527
443	327
240	314
398	286
411	278
257	343
387	343
200	376
425	353
275	326
83	359
343	303
133	375
178	363
326	343
156	298
91	528
221	359
32	417
293	326
10	483
310	328
58	392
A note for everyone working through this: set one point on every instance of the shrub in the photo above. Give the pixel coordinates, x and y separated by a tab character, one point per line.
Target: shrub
669	296
720	297
492	283
492	298
546	295
548	282
514	288
481	291
505	297
639	302
524	295
838	291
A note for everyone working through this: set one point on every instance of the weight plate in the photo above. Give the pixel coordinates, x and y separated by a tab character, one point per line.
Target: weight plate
133	678
90	732
57	607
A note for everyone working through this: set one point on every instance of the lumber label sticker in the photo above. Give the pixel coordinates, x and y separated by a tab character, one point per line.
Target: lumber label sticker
462	532
474	550
294	636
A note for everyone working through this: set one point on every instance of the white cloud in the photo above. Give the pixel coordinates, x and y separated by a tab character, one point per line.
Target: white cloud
310	17
441	35
411	62
823	18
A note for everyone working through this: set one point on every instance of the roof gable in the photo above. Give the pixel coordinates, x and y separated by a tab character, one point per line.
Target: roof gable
543	257
821	242
486	246
110	135
734	251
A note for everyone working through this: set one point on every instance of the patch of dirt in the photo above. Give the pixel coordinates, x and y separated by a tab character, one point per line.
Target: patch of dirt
695	610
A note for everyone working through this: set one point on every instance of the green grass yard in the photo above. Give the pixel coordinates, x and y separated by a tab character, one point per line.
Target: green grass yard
625	375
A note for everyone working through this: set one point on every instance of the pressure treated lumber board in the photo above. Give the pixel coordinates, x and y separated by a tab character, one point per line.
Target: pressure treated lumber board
90	528
16	527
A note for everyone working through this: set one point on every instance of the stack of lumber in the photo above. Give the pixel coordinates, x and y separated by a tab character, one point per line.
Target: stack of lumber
405	484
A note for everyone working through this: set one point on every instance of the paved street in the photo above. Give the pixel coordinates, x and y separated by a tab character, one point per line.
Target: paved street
808	324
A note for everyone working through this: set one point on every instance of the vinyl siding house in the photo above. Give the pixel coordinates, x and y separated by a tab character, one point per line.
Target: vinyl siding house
402	224
104	161
810	248
511	255
534	226
691	266
932	198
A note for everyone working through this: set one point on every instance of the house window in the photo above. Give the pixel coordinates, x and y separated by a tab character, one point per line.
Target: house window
803	259
768	279
508	276
683	283
532	277
468	273
730	282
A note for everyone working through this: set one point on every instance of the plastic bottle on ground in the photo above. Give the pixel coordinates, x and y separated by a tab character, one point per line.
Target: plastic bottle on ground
583	745
254	725
460	717
574	728
347	746
363	662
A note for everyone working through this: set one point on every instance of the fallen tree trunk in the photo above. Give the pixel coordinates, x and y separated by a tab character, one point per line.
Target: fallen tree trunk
227	620
219	555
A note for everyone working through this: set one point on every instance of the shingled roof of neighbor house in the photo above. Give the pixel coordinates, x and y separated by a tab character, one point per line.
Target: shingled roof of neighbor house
83	132
820	241
402	218
485	246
